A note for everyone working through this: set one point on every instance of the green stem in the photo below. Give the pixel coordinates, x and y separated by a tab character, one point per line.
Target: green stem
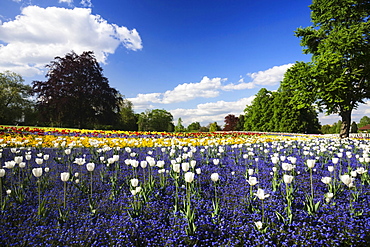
65	191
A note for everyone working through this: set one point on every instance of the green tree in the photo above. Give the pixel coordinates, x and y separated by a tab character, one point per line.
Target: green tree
258	114
365	120
275	112
15	103
194	127
128	119
354	128
213	127
76	94
337	78
240	124
156	120
179	127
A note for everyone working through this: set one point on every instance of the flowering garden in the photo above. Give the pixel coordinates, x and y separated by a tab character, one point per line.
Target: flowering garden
92	188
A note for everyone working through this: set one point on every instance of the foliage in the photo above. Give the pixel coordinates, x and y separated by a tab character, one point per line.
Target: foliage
365	120
76	94
231	122
127	119
194	127
240	124
214	127
275	112
337	78
354	128
155	120
179	127
15	103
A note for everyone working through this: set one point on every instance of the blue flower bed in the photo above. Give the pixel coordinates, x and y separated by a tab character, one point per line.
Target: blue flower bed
105	215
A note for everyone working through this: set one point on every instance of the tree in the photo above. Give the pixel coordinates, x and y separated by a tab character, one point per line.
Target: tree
365	120
213	127
156	120
337	78
230	122
354	128
240	124
179	127
76	94
15	101
258	114
194	127
128	119
275	112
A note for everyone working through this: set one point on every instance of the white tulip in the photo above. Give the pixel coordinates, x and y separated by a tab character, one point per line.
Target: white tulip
46	156
176	168
347	180
18	159
326	180
22	164
361	170
286	166
189	177
261	194
287	178
79	161
185	166
214	177
193	163
64	176
216	161
311	163
252	181
330	168
134	182
37	172
143	164
250	172
335	160
353	174
67	151
46	169
258	225
2	173
198	171
39	161
90	167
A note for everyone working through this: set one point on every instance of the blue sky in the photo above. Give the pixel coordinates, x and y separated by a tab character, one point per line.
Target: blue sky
200	60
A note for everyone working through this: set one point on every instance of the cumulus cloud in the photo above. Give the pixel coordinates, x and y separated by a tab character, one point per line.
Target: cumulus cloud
269	77
38	35
212	112
206	88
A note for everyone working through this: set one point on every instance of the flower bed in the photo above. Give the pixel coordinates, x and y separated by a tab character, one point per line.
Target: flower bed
137	189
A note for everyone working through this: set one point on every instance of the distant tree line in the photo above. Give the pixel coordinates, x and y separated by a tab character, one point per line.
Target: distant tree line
76	94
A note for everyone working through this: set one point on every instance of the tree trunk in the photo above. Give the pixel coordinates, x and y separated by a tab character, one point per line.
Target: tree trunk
346	124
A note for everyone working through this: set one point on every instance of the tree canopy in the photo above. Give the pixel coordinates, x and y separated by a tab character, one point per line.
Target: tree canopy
15	102
275	112
156	120
337	78
76	94
231	122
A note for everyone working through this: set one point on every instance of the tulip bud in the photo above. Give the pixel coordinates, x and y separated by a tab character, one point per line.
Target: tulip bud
2	173
37	172
134	182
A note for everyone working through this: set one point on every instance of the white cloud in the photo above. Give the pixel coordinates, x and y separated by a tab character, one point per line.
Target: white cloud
86	3
38	35
270	77
211	112
69	2
206	88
